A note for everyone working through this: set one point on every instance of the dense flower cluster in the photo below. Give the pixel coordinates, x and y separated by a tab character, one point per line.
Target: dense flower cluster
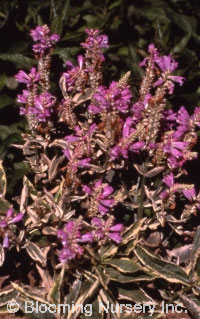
100	196
99	141
45	41
113	98
37	101
71	238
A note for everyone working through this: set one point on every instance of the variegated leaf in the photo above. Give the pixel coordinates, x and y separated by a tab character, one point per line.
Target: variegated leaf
7	295
133	231
124	265
2	255
166	270
74	291
36	253
123	278
54	293
135	295
88	290
3	182
108	251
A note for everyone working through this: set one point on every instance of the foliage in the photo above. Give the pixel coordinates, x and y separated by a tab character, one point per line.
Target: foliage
66	175
98	219
172	25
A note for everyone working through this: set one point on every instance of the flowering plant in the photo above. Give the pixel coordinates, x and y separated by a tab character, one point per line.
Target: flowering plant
100	209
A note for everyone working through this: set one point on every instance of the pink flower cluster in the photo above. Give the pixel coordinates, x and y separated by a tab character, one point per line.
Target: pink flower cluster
6	223
44	41
103	129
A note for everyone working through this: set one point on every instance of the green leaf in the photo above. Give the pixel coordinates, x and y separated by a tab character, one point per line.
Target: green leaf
19	170
32	191
135	295
195	256
124	265
169	271
5	100
2	81
115	4
6	296
115	275
60	13
18	47
5	131
133	231
25	294
183	22
66	53
87	292
74	291
4	205
156	14
108	251
181	44
36	253
18	59
104	279
54	294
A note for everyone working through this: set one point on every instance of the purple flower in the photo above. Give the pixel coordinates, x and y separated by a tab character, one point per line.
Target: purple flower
136	147
190	193
139	107
105	230
153	55
177	79
166	63
95	41
23	98
38	33
67	154
184	121
169	180
100	196
9	219
70	238
74	73
41	35
5	222
86	238
117	151
175	148
113	98
54	38
42	107
28	79
87	189
187	190
127	127
85	162
82	136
